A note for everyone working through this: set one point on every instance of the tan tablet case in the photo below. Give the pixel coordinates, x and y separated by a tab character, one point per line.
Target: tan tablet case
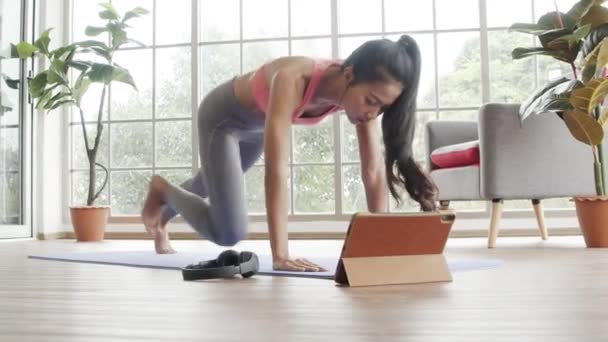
382	249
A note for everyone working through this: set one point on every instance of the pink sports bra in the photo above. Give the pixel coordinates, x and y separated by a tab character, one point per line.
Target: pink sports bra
261	93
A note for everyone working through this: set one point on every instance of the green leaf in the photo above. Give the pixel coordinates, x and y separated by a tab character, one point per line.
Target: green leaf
58	97
136	12
603	120
60	103
600	92
550	97
80	87
80	65
92	31
595	16
108	15
43	42
572	38
584	128
37	84
529	28
119	37
137	42
109	12
579	9
562	55
46	96
602	55
122	75
11	83
25	49
588	72
63	51
581	97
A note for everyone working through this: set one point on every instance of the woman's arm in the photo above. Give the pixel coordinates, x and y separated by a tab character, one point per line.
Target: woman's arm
286	91
373	172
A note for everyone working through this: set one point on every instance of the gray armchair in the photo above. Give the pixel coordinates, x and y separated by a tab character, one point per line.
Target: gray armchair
535	161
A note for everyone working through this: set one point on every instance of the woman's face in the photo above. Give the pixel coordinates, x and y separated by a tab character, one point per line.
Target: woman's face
365	101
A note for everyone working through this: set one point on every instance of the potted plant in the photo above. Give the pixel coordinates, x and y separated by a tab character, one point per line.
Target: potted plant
53	88
578	38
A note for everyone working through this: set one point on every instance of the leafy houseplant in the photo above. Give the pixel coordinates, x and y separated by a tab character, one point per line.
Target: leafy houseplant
52	87
579	38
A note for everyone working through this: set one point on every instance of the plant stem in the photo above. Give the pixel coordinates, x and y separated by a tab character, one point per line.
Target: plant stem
92	195
600	153
574	71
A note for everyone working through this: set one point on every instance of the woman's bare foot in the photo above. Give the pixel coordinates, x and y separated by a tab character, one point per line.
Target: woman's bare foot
152	215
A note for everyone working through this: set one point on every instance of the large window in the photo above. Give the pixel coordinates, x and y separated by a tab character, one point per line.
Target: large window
466	62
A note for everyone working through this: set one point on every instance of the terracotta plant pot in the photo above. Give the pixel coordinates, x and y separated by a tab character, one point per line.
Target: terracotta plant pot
592	215
89	222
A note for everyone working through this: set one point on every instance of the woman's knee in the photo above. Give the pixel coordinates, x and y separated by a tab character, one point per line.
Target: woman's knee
229	237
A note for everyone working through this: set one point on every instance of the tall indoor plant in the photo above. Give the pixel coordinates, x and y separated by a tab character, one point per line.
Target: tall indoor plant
579	38
54	87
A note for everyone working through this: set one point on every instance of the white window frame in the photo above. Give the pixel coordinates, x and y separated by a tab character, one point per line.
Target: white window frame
338	164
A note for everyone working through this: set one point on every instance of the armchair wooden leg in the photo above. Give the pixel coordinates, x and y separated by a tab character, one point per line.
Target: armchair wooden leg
496	214
540	218
444	205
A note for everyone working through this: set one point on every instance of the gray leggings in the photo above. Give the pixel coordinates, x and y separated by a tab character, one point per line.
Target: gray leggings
231	139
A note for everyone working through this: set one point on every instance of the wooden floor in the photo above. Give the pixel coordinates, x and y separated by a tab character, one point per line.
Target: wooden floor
546	291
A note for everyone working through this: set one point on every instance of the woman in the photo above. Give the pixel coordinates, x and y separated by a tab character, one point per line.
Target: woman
253	113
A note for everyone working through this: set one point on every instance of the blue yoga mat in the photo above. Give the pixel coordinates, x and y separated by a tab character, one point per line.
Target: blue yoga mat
178	260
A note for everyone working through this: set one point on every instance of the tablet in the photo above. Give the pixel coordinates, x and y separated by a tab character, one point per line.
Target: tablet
394	234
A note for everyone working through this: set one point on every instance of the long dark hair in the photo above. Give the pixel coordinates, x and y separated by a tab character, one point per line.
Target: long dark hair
383	60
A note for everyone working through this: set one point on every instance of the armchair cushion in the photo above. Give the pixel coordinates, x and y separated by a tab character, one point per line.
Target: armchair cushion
456	155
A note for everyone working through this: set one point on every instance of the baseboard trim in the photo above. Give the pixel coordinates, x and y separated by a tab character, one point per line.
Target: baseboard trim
473	233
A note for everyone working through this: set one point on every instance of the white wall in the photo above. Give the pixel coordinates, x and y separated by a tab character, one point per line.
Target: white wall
49	139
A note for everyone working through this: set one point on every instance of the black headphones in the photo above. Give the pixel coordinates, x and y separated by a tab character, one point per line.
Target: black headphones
228	264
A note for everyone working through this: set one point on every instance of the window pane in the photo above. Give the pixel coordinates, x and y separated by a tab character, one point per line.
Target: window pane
550	69
420	149
129	190
558	203
408	15
85	13
302	11
10	198
314	189
254	189
219	63
174	143
256	22
255	193
460	115
505	13
90	104
426	89
79	153
256	54
220	20
128	103
459	69
552	203
80	187
360	17
315	48
9	148
173	83
457	14
9	98
348	45
349	141
173	18
141	27
511	81
175	177
314	144
353	195
131	145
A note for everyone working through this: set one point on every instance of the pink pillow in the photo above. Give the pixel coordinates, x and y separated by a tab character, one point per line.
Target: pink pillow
456	155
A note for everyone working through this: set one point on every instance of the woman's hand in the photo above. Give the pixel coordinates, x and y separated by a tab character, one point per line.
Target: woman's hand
296	265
